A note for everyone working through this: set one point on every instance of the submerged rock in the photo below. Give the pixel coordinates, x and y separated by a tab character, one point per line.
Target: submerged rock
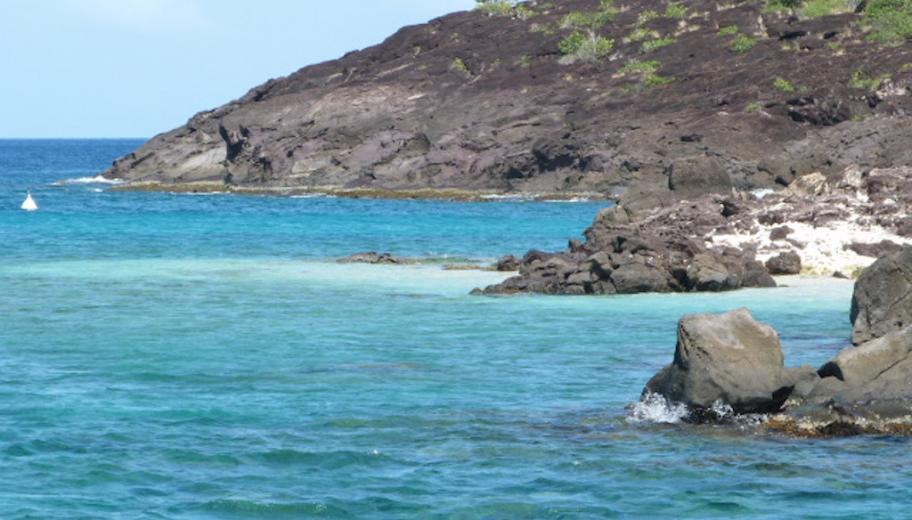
372	257
882	301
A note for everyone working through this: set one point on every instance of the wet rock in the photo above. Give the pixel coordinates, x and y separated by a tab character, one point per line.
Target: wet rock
507	263
729	359
788	263
882	300
371	257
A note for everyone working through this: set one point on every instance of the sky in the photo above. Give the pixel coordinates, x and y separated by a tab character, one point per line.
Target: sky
135	68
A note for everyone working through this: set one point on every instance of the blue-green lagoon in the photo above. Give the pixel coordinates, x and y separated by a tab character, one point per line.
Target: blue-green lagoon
179	356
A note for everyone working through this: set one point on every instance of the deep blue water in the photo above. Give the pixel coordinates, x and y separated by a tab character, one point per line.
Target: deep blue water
177	356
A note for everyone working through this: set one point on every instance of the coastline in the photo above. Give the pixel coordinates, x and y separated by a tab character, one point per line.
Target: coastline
454	194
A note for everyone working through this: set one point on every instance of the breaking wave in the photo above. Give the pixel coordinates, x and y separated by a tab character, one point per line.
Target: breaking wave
654	408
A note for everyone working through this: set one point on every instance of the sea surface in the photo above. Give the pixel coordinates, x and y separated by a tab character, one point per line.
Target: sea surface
179	356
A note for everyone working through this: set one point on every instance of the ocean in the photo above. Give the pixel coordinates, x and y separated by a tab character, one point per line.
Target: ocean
181	356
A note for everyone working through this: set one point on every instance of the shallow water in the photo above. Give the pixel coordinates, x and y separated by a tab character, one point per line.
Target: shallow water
175	356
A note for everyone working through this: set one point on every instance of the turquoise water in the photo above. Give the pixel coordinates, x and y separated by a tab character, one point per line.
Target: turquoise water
166	356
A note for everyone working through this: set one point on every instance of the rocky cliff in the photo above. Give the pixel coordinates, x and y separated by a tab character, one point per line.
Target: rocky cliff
648	100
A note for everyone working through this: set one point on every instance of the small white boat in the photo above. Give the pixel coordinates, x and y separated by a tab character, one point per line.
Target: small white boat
29	203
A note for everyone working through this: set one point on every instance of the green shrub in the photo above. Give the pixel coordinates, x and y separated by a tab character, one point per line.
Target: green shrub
743	43
731	30
892	19
583	47
676	10
457	65
775	6
862	82
584	43
657	44
818	8
647	16
784	85
648	72
753	106
495	7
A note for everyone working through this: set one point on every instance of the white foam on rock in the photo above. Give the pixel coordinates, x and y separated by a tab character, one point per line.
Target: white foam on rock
654	408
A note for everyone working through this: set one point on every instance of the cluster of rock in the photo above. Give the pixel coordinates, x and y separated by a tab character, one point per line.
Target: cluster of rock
373	257
717	241
732	362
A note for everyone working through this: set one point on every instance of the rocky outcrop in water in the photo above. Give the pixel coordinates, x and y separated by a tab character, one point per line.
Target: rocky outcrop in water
729	358
882	301
689	102
731	364
716	242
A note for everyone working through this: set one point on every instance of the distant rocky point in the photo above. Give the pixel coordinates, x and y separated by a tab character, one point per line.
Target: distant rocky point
649	102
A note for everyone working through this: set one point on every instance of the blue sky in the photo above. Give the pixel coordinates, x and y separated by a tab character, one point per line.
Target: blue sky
134	68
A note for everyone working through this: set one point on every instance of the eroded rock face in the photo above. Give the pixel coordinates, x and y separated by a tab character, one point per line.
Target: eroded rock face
730	359
882	301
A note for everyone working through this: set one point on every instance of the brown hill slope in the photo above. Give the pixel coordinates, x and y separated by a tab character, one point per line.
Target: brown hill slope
694	96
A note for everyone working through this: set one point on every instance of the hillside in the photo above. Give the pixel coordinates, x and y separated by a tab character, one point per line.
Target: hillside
647	100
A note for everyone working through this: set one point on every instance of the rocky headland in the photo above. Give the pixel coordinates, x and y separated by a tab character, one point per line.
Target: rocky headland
730	367
649	102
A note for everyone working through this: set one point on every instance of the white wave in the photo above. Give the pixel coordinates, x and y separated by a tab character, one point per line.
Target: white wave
654	408
505	197
98	179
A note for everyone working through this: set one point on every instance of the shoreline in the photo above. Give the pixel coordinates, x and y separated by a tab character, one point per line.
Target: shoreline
452	194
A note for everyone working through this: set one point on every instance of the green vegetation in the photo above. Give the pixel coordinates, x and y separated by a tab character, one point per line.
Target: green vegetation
862	82
504	8
584	43
775	6
641	33
892	19
525	62
743	43
676	10
647	70
731	30
495	7
753	106
657	44
784	85
906	68
647	16
457	65
818	8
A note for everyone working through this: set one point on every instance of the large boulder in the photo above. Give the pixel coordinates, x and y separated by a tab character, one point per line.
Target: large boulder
882	301
730	359
786	263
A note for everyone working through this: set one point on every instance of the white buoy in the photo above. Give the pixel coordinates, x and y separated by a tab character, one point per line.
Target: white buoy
29	203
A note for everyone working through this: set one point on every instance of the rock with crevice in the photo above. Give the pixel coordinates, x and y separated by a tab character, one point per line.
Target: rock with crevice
882	300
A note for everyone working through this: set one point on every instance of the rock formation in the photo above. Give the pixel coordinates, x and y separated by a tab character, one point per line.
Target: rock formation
716	242
882	301
731	364
686	103
730	358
